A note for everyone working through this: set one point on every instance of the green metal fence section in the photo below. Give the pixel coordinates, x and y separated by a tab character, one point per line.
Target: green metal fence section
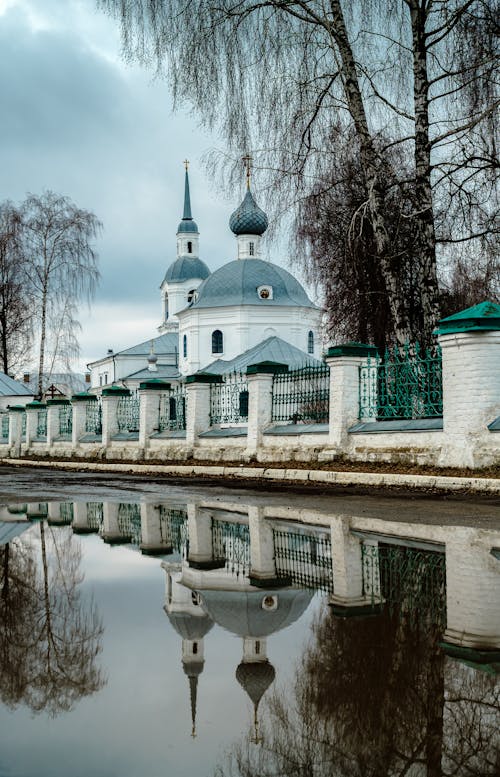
407	579
173	528
4	427
172	409
231	543
41	422
405	383
229	400
66	512
93	417
65	420
127	413
305	557
302	395
129	521
95	514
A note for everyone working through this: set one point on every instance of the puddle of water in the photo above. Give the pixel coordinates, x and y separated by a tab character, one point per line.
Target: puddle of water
212	637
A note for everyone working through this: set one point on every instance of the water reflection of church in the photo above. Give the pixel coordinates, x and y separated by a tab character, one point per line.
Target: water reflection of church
252	569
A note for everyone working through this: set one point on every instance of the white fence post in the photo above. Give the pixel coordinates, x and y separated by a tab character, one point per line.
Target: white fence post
149	409
110	399
260	401
16	413
198	404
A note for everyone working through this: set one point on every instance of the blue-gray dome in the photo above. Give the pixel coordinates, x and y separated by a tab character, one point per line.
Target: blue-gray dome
237	283
248	218
187	225
184	268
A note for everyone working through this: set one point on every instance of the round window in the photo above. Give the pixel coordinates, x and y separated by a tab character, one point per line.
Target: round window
264	293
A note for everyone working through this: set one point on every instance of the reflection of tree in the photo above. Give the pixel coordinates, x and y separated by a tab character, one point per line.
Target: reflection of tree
49	636
369	701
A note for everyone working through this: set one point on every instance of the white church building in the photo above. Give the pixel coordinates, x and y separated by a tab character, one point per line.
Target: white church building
247	311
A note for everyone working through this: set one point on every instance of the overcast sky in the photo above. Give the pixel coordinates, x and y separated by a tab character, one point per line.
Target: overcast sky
79	121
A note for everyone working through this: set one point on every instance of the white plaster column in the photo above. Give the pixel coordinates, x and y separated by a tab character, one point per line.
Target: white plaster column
110	398
198	404
78	424
349	587
111	532
80	524
262	564
472	589
199	525
149	409
15	429
260	401
344	362
152	540
471	389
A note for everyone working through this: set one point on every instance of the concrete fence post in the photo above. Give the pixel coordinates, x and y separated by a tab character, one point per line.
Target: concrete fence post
344	362
260	401
351	596
80	524
198	404
79	419
110	399
470	345
199	525
53	407
32	409
16	413
149	409
262	559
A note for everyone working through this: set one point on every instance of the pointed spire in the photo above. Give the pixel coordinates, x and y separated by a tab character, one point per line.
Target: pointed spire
187	197
193	689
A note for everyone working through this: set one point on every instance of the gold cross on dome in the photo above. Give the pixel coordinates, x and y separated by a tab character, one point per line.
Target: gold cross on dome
247	161
186	164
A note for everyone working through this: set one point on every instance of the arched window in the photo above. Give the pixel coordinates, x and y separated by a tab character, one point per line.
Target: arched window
165	306
310	342
190	247
190	295
195	648
243	404
185	346
217	341
251	249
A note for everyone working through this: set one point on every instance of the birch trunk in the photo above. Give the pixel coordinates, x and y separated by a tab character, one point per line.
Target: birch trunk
43	326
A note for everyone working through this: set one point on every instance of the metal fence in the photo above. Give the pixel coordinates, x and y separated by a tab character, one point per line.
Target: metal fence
407	579
66	512
305	557
93	417
172	409
94	515
65	420
231	543
127	413
4	427
229	400
41	422
405	383
129	521
302	395
173	528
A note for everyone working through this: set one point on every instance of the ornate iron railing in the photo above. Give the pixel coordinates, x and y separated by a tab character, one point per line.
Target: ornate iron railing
407	579
41	422
231	543
172	409
302	395
129	521
127	413
4	428
229	400
93	417
305	557
173	528
65	420
405	383
94	515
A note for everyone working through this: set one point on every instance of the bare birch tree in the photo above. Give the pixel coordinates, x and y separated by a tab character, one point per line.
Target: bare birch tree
284	77
16	310
60	261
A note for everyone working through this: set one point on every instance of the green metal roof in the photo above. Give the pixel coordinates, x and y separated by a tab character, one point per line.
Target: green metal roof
482	317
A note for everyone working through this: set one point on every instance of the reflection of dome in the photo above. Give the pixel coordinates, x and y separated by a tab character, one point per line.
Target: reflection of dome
248	218
255	678
184	268
236	283
241	612
190	626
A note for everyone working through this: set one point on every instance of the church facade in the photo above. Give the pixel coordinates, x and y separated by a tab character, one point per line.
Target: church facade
248	310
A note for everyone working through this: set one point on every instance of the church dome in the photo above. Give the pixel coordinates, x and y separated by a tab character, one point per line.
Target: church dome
184	268
239	283
255	678
190	626
248	218
188	225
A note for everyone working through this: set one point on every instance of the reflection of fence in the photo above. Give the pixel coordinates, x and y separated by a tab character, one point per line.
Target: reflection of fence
406	383
93	417
94	515
127	414
231	543
66	512
173	528
305	557
411	580
302	395
129	521
65	420
41	422
172	409
229	400
4	427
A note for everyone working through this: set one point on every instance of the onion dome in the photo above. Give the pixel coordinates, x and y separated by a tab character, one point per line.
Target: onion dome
248	218
255	678
187	224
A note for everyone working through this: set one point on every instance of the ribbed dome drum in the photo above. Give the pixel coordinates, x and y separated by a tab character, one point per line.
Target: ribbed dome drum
248	218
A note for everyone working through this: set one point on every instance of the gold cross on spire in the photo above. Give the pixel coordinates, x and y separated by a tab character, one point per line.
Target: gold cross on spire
186	164
247	161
